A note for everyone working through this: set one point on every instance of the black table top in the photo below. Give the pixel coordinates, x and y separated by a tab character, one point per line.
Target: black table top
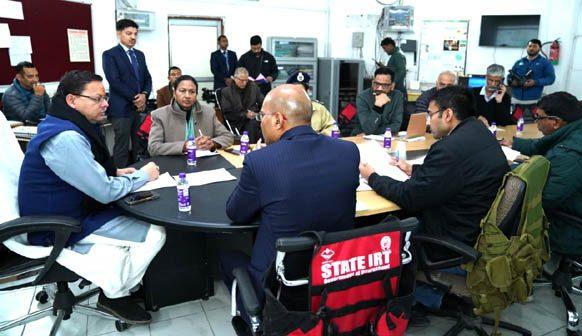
208	202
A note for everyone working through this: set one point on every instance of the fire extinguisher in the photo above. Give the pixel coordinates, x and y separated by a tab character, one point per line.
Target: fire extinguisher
555	52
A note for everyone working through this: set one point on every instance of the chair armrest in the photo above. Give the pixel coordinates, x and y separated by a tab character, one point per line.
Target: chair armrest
62	227
294	244
466	253
247	291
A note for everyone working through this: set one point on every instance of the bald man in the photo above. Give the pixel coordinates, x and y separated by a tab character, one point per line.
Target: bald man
301	181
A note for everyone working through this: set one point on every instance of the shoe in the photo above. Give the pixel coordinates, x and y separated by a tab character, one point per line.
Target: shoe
124	309
455	303
418	317
240	326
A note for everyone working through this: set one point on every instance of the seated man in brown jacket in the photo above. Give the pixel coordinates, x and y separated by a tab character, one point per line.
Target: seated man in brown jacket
165	94
185	117
240	104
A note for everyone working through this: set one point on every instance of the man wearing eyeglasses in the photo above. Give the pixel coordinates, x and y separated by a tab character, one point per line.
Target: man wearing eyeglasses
301	181
380	106
67	170
453	189
559	118
240	103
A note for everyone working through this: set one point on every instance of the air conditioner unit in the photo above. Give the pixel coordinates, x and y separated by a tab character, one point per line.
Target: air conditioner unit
144	19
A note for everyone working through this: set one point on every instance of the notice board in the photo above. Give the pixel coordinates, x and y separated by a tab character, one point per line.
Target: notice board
47	22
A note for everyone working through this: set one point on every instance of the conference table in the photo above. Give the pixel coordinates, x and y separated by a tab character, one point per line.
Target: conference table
182	271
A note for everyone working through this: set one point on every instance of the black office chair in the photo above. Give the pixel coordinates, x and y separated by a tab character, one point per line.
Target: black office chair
17	271
304	299
430	270
562	279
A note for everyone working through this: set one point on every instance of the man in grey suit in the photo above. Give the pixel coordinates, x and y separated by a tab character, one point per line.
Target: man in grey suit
26	99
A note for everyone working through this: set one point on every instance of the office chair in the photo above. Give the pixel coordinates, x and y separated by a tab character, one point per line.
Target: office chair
563	279
431	271
306	294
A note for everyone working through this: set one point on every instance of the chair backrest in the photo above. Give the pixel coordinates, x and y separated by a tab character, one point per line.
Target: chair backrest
509	208
348	281
10	162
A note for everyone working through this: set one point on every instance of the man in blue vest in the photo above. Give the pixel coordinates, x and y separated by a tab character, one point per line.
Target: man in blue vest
67	170
130	85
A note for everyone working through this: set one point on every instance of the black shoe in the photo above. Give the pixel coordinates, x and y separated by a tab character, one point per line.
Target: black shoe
124	309
454	303
240	326
418	317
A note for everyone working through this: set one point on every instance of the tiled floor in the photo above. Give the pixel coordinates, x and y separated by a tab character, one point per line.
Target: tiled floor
544	316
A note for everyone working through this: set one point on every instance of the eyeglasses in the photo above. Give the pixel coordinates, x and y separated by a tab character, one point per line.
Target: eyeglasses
242	80
382	85
98	99
538	118
261	115
430	114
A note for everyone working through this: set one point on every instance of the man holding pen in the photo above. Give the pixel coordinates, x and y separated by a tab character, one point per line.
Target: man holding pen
185	117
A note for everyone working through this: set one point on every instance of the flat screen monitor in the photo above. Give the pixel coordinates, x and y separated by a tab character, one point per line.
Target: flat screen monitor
476	81
508	30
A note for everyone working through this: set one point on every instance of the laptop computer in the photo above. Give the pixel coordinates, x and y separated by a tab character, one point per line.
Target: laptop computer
416	125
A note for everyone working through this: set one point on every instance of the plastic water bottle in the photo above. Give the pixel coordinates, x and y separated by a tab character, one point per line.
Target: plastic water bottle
388	138
191	152
520	123
183	194
493	128
244	143
401	151
335	132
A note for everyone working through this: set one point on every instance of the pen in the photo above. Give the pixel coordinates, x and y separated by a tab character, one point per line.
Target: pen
200	131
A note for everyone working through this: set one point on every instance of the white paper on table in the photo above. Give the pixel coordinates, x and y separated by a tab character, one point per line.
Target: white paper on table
420	138
203	153
208	176
20	45
376	156
364	186
11	10
374	137
417	161
4	35
361	206
165	180
510	154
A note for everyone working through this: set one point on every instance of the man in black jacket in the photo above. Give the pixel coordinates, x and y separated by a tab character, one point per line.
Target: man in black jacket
492	100
260	64
455	186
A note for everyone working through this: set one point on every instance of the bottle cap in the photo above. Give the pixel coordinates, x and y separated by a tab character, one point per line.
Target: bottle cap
191	138
245	133
387	129
182	175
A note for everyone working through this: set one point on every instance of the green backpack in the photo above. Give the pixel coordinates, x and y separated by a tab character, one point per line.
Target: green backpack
507	267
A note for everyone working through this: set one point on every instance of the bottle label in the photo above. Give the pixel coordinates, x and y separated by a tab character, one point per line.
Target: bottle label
183	198
520	125
335	134
191	155
387	142
244	148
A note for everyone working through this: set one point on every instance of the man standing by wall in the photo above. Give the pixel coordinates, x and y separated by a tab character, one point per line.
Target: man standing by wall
528	77
222	64
397	63
130	84
261	65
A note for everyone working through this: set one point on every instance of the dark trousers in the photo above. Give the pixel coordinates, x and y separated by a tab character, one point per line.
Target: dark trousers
229	260
125	131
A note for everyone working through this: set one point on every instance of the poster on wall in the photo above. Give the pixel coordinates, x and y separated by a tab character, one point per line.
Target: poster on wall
443	46
78	45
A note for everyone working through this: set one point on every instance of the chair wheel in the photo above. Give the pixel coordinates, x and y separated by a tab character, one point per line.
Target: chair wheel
41	297
121	326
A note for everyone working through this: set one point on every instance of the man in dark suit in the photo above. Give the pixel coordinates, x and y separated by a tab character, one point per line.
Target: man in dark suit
455	186
130	85
222	64
301	181
261	65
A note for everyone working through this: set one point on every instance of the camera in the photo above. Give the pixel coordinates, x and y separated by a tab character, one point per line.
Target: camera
208	95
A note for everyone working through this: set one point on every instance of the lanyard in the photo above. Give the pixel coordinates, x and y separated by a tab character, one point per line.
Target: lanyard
189	131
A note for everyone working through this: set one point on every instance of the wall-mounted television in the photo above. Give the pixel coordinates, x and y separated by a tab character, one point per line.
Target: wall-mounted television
508	30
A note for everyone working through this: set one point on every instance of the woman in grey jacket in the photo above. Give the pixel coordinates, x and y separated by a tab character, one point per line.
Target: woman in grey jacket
173	124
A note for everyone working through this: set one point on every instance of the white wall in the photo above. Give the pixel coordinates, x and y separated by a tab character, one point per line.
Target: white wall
241	19
558	19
